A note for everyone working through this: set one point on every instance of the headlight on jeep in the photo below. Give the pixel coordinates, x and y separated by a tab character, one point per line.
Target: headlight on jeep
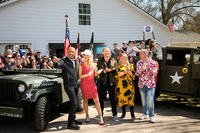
21	88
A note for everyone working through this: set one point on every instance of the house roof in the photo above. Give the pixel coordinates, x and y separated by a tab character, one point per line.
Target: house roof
186	37
146	13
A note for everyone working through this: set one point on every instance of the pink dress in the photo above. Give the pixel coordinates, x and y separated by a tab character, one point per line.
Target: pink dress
88	85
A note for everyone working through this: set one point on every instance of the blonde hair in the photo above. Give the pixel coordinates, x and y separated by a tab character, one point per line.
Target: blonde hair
91	62
123	55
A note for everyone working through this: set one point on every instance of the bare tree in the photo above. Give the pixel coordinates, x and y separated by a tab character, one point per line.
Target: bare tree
166	10
147	5
192	24
2	1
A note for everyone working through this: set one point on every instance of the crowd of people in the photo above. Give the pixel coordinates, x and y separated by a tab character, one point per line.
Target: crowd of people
16	59
132	49
116	77
115	71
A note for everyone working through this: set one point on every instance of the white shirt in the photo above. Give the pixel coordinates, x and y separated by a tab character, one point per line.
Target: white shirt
73	61
132	51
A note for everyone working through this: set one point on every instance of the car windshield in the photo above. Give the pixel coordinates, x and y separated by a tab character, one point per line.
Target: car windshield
33	71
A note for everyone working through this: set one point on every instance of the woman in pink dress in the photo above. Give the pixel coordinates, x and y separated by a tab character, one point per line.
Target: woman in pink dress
88	86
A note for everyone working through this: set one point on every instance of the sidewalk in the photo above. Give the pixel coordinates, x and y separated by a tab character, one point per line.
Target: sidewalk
167	120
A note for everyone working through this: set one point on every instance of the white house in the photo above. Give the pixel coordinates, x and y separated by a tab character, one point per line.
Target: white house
185	39
40	23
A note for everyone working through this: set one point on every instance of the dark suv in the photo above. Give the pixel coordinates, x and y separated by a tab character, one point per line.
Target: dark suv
33	95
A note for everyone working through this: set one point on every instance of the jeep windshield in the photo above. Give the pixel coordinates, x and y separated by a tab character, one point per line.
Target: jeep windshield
32	71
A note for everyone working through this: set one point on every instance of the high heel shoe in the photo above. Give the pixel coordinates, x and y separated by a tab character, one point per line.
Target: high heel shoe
87	120
101	122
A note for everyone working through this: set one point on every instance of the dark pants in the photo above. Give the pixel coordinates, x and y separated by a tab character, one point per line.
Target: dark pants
131	110
102	91
70	90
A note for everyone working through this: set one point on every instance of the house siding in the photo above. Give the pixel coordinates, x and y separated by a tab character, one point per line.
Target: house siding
40	22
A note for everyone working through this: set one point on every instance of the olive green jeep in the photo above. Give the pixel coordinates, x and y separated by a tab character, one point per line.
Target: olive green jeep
179	72
33	95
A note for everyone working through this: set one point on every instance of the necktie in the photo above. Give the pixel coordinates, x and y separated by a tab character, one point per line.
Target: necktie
73	63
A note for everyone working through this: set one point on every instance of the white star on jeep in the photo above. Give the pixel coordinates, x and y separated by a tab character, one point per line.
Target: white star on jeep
28	95
176	78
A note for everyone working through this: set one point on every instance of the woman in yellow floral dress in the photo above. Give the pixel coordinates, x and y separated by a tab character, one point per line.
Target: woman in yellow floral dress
125	91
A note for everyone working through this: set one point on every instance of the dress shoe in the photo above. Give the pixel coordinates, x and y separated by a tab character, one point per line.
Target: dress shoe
73	127
77	122
133	118
123	116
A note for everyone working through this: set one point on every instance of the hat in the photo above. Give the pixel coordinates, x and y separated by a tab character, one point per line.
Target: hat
9	56
87	52
124	42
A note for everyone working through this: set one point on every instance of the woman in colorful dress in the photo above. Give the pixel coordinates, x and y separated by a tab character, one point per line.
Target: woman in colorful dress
125	91
88	86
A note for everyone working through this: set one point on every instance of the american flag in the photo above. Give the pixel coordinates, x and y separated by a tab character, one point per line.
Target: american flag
67	38
171	26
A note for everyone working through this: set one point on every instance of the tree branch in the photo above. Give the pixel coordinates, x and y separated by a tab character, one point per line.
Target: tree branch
181	13
182	19
185	7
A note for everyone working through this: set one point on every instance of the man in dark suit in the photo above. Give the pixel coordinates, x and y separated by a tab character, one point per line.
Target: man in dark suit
70	78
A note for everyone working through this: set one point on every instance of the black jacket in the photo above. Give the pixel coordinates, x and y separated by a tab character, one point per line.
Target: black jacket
105	78
69	73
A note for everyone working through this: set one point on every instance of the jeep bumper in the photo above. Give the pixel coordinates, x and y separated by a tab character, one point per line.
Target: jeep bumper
11	112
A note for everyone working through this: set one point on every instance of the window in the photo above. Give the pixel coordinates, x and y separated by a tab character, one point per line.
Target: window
84	14
10	46
23	46
197	55
178	57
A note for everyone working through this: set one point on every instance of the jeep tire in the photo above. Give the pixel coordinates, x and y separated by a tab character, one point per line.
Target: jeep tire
41	114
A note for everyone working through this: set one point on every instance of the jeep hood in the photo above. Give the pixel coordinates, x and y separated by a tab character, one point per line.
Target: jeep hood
29	79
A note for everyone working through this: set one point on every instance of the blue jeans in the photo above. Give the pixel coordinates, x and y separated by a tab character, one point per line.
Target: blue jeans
147	97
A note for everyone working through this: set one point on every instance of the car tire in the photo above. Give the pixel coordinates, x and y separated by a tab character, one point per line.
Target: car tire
42	112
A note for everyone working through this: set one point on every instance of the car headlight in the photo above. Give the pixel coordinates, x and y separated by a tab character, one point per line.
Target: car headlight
21	88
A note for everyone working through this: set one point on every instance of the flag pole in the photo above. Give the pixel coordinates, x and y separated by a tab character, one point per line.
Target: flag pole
66	22
67	40
78	52
92	42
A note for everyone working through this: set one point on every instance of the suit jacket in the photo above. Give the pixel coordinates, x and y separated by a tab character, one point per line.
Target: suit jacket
69	73
105	78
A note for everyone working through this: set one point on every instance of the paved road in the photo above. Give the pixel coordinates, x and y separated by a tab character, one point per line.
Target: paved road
169	119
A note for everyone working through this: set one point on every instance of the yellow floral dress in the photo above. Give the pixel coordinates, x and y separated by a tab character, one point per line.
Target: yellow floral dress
124	88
